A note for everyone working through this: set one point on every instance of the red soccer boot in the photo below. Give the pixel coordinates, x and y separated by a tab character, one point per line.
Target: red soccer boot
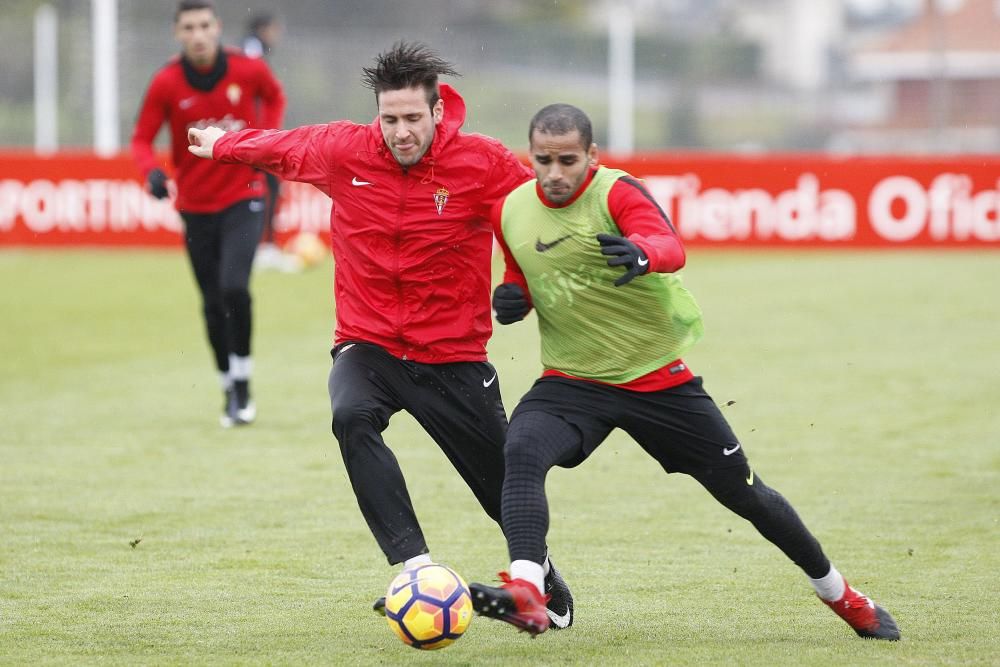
517	602
867	618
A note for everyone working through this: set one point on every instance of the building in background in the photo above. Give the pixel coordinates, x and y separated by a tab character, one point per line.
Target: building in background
797	39
940	77
852	76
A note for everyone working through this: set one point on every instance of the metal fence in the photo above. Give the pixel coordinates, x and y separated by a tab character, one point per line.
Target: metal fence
700	82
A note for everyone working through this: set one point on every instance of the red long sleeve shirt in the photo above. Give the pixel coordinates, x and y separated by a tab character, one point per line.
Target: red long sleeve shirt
246	96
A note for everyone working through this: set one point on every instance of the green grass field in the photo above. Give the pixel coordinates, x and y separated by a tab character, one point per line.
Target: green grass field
133	530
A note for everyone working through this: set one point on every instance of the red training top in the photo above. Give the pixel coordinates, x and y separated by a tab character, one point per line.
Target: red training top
412	247
237	92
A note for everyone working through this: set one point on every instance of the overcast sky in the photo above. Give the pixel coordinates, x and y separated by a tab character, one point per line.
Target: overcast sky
871	6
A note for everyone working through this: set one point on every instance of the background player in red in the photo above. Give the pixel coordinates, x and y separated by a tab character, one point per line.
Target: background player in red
412	242
222	205
611	347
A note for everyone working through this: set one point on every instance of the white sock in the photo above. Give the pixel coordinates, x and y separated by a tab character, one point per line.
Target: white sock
240	368
225	381
529	570
545	565
416	561
831	587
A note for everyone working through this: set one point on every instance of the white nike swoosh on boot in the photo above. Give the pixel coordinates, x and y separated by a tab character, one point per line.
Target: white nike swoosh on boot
560	620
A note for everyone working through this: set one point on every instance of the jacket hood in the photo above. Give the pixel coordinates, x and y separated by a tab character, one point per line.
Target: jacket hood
446	130
454	117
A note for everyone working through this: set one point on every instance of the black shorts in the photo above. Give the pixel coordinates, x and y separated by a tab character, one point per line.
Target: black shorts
681	427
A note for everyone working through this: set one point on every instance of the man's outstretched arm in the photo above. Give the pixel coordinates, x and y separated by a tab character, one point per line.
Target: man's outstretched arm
303	154
203	141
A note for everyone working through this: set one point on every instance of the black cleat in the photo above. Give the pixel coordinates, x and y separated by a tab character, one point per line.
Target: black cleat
230	408
379	606
246	409
560	604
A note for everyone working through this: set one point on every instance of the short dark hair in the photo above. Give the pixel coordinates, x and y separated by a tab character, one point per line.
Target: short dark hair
192	5
407	65
562	119
260	21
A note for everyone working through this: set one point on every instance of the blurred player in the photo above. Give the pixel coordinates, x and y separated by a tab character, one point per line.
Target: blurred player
412	246
611	347
222	205
263	33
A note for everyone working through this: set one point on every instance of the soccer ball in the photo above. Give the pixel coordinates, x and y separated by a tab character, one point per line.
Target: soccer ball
429	606
308	248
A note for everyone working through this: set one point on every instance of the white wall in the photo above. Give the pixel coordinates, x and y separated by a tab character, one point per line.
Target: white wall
796	36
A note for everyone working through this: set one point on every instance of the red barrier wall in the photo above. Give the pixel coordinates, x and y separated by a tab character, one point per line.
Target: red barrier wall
796	200
773	200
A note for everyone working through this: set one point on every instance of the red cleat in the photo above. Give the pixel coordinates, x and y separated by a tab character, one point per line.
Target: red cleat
517	602
867	618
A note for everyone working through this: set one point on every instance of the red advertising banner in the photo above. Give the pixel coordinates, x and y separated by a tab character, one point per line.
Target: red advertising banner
728	200
82	200
802	200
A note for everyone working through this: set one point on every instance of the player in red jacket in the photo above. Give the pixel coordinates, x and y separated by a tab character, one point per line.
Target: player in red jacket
222	205
412	243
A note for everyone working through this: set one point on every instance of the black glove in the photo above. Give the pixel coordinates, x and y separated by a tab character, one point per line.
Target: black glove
157	181
622	252
510	303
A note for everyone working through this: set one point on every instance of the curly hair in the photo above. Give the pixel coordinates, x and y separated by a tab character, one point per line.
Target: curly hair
407	65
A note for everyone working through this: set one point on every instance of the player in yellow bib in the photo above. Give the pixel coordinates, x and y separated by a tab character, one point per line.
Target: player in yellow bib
612	342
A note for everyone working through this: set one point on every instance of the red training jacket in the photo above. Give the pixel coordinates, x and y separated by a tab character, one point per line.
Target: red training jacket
247	95
412	246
